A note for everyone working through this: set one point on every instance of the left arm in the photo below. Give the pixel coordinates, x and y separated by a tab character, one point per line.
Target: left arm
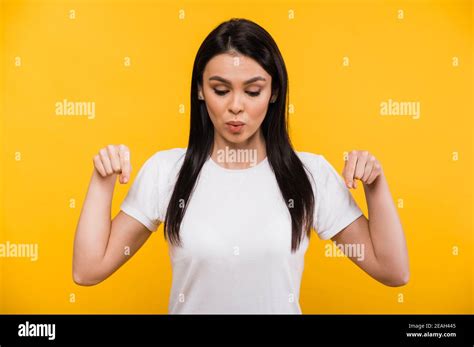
385	252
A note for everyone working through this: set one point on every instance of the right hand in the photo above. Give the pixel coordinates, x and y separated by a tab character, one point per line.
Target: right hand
114	159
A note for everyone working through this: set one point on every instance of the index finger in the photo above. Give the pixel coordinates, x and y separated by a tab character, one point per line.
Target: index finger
124	154
349	168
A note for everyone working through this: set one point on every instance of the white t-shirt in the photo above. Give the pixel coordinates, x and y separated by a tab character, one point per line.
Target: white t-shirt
236	232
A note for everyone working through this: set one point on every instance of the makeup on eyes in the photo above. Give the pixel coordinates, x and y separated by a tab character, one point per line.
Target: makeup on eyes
222	92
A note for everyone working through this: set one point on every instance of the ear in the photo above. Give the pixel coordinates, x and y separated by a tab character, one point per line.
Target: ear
200	95
274	96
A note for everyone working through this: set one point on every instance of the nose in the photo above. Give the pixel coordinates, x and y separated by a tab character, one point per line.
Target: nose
236	104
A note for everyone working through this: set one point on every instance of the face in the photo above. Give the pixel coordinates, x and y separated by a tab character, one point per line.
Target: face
236	90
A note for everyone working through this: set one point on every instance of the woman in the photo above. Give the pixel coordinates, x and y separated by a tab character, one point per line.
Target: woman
238	203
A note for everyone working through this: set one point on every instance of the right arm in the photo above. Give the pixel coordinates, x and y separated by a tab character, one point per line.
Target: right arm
102	245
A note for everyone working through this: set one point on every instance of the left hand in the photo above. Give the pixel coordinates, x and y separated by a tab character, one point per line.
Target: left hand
363	166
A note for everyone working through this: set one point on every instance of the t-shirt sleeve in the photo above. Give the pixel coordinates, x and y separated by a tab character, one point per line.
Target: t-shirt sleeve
335	208
142	201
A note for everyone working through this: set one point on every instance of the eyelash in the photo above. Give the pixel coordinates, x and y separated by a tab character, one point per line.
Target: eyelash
222	93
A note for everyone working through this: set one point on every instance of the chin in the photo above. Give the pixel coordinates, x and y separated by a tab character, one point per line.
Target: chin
236	139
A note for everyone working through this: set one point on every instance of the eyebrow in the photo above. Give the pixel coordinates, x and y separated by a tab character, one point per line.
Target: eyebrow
254	79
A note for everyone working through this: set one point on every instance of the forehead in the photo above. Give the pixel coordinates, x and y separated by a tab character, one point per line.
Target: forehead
234	67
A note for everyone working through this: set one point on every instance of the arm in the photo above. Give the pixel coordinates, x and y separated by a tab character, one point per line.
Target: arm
100	244
385	252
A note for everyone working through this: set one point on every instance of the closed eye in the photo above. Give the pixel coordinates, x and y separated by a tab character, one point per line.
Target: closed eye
224	92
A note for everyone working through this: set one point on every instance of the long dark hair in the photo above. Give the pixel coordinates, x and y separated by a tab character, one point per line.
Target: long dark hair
251	40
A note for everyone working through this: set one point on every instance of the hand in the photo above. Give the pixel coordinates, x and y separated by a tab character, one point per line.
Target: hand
363	166
114	159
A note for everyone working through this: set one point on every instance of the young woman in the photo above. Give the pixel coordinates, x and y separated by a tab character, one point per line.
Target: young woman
238	203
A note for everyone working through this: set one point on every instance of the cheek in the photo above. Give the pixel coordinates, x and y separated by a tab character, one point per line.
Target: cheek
215	108
257	110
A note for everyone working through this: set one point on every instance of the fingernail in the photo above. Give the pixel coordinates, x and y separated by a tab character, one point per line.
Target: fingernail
125	180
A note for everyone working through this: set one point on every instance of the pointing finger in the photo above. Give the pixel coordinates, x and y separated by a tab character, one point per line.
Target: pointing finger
349	168
124	154
361	162
114	160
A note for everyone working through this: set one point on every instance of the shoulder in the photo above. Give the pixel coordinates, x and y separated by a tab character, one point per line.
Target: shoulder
163	162
309	157
312	161
317	164
171	155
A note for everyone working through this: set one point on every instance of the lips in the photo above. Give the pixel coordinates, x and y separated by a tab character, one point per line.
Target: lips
234	126
235	123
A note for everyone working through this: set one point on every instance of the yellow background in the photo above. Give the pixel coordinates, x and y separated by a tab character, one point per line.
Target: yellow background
336	109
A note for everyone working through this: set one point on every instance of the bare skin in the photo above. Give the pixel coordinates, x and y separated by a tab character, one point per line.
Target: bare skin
100	243
386	254
236	101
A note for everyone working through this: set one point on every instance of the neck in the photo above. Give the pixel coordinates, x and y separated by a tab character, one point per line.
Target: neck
242	155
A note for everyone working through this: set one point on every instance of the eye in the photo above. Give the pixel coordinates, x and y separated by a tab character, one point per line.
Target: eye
224	92
220	92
